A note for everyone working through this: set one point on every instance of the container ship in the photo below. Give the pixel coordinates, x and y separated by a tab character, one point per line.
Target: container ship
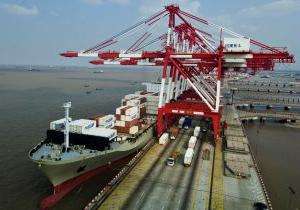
76	150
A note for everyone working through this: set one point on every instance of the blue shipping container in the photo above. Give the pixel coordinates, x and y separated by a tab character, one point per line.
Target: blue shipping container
187	122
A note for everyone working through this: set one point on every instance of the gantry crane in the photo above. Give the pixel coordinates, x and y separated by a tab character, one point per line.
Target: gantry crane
194	57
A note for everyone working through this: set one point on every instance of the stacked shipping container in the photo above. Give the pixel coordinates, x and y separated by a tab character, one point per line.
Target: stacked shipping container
149	102
127	119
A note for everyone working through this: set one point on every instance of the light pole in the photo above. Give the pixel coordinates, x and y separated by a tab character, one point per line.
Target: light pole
232	94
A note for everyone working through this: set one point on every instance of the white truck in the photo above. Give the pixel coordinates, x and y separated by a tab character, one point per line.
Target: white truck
163	139
192	142
173	158
180	122
197	131
188	157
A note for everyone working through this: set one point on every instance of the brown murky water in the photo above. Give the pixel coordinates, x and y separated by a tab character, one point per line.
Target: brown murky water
29	101
277	148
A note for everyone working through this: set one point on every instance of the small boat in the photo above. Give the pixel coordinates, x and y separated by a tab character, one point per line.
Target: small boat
98	72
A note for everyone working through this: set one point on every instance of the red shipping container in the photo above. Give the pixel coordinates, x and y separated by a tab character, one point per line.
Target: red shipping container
129	124
143	100
96	117
118	117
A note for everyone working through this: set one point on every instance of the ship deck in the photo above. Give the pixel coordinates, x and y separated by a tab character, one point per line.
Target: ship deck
207	184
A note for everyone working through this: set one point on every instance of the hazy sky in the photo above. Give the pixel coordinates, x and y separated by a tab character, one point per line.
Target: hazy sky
35	31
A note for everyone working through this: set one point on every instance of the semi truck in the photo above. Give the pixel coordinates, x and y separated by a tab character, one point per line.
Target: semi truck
188	157
174	131
173	158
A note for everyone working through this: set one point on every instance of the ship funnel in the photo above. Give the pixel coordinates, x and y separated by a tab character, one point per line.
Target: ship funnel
67	107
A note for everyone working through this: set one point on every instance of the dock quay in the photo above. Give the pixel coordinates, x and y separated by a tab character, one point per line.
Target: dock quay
243	184
251	114
267	99
228	178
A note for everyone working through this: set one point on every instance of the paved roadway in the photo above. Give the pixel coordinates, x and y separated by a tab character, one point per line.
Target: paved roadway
175	187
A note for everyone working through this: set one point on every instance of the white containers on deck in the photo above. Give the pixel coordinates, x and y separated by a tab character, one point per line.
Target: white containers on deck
192	142
102	132
197	131
79	126
188	157
127	110
106	121
58	124
163	139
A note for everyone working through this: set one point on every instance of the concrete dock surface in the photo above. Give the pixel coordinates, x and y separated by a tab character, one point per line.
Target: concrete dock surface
154	185
224	176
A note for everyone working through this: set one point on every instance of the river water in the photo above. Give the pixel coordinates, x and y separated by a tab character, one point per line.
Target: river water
29	100
276	148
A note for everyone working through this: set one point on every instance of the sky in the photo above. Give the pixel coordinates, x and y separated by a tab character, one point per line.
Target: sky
34	32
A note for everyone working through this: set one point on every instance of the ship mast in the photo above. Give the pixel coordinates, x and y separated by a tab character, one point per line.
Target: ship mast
67	106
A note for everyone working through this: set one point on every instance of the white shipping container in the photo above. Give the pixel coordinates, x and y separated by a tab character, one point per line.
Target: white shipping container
105	120
153	108
154	87
102	132
78	126
120	123
163	139
134	130
108	125
129	118
192	142
130	96
118	110
133	102
131	111
152	103
152	99
188	157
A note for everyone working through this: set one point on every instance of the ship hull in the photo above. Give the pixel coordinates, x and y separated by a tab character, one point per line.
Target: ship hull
61	190
60	172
